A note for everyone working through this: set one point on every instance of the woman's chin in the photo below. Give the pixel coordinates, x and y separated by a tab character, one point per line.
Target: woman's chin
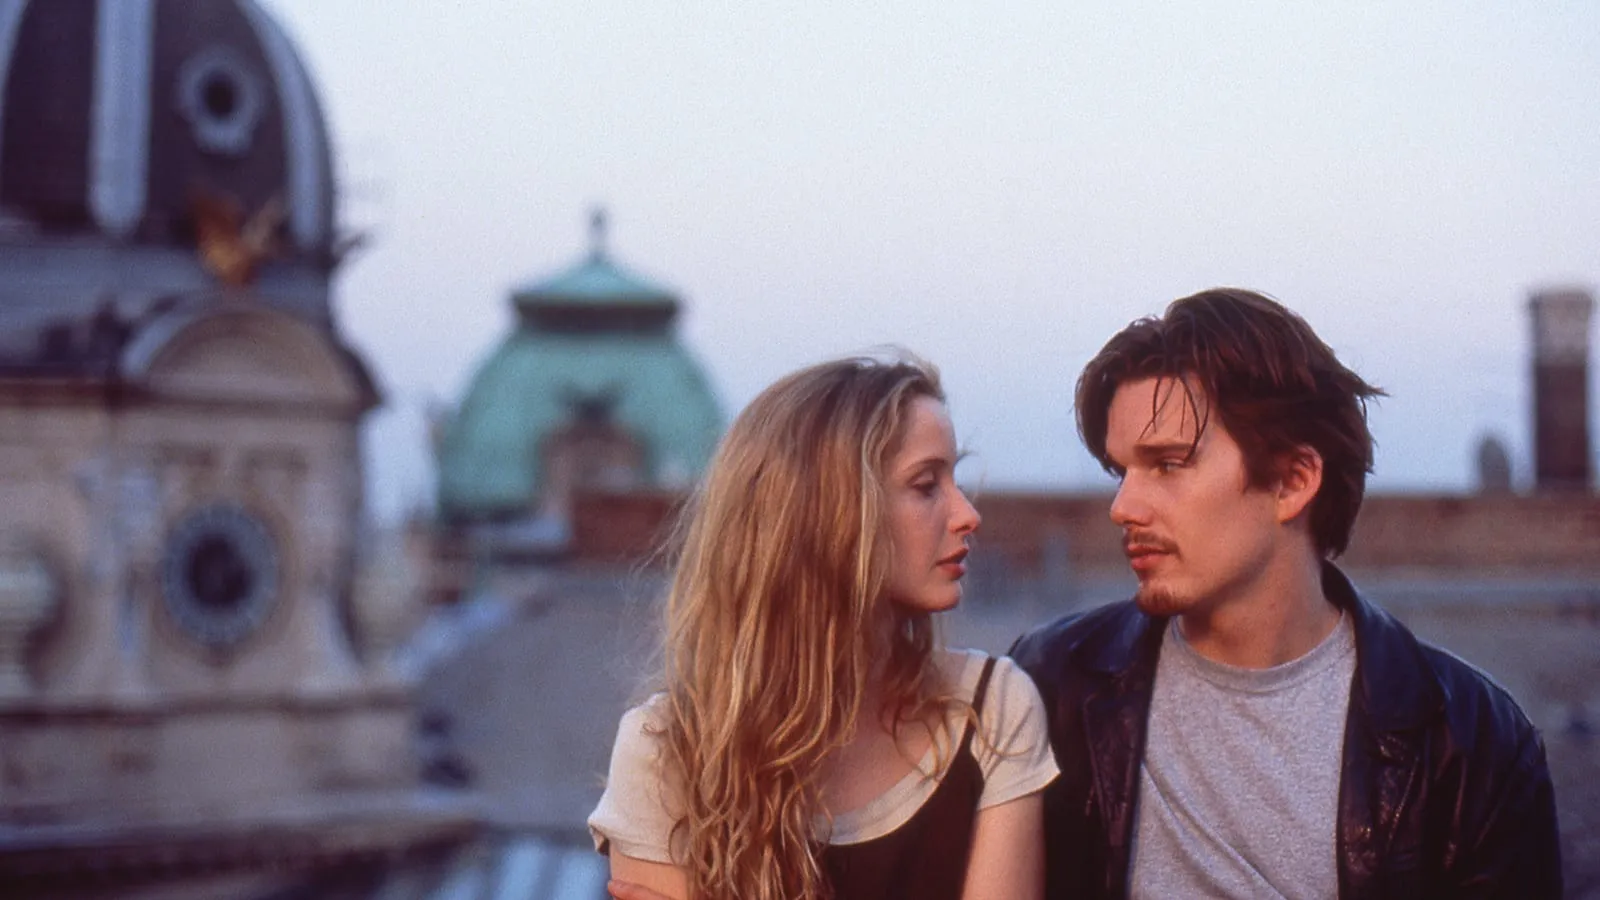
932	601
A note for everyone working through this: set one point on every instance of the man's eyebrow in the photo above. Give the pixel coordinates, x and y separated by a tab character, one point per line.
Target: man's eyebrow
1163	448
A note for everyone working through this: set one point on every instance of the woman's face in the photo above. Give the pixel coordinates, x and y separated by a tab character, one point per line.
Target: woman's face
930	519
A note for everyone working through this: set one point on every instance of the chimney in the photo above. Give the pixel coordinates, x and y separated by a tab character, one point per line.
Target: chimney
1561	451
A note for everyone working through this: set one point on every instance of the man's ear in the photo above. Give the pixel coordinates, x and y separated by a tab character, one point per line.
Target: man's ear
1299	479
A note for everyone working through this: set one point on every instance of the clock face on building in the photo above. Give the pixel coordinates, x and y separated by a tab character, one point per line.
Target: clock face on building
219	574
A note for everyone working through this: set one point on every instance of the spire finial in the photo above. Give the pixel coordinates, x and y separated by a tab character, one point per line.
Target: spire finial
597	232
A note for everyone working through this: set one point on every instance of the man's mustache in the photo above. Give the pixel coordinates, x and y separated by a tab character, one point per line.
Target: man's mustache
1146	542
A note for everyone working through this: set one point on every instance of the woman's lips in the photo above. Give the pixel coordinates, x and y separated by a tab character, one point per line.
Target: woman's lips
954	565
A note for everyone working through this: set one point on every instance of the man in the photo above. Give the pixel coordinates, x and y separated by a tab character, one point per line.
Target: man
1248	725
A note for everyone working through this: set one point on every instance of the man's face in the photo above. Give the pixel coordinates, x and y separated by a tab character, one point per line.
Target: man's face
1195	532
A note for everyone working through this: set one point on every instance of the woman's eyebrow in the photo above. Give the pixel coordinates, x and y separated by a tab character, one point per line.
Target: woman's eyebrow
934	462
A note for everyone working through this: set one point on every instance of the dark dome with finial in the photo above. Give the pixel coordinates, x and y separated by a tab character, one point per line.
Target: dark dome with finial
155	155
118	116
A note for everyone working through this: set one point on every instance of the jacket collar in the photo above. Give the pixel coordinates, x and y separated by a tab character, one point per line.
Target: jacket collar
1124	640
1396	685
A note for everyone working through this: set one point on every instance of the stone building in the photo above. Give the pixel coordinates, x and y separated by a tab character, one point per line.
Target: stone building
183	708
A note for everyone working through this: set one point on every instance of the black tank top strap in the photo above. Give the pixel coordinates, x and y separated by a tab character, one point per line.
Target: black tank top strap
925	858
977	703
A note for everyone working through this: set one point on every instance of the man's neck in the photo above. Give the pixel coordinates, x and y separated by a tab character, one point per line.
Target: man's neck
1280	616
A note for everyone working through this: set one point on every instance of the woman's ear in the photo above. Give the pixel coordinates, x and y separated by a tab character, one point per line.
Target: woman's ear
1299	479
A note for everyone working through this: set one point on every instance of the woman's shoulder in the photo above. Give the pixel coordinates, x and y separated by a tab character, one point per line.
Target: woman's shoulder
962	669
639	731
1014	752
650	714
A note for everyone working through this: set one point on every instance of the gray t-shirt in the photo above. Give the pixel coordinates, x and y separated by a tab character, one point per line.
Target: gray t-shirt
1239	788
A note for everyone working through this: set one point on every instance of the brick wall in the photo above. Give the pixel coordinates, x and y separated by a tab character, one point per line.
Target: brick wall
1554	534
620	528
1551	534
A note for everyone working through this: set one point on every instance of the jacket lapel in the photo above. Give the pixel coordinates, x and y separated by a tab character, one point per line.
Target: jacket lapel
1393	698
1115	715
1378	787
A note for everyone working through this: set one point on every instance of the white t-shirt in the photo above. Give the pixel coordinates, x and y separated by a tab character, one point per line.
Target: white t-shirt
637	812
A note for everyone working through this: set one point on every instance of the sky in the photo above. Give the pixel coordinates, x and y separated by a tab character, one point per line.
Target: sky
998	187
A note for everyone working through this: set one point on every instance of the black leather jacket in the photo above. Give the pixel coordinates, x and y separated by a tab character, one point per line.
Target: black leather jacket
1444	790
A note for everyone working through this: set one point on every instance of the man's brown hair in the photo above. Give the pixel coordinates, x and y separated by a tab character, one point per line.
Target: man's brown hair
1275	386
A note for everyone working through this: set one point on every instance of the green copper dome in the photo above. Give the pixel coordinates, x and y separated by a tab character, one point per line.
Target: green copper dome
594	345
596	282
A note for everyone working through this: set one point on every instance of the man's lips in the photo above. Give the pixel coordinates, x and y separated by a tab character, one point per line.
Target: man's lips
1145	553
1143	559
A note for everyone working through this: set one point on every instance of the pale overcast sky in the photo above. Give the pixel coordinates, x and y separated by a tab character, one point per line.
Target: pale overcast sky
998	186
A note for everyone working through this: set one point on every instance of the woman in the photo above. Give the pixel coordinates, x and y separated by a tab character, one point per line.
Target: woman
811	740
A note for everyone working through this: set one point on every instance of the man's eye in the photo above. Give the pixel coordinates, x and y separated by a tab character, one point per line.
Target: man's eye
1169	465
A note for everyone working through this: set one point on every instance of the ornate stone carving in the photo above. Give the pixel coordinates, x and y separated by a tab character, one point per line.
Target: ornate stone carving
29	598
390	595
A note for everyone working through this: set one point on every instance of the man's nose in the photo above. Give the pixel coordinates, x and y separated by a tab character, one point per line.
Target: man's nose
1128	507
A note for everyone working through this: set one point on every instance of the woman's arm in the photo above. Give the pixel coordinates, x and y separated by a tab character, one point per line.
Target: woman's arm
1008	853
1007	861
661	881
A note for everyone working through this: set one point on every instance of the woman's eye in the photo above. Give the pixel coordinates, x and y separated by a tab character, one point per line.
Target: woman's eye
925	487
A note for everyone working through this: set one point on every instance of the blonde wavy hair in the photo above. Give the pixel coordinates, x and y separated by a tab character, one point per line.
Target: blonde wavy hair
775	623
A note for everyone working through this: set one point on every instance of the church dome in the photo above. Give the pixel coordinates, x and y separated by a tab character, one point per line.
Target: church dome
119	117
594	354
